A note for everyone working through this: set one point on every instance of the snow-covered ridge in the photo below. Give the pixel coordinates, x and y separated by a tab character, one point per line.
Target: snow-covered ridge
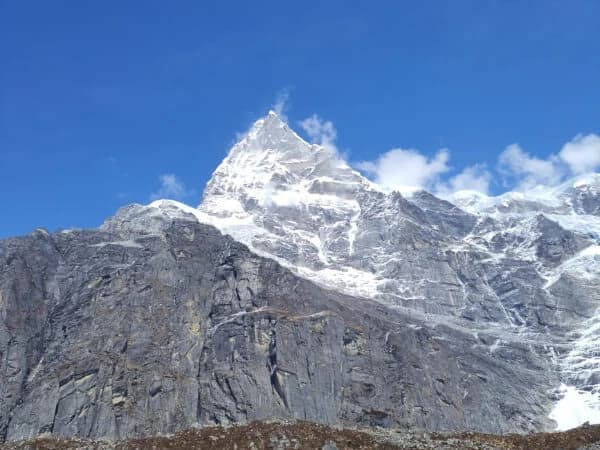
570	197
244	230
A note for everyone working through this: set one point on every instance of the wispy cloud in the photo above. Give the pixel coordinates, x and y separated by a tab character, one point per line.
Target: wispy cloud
172	188
282	103
472	178
320	131
579	155
280	107
582	153
526	171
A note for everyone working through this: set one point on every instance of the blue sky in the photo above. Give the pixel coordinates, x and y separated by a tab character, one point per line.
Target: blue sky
99	100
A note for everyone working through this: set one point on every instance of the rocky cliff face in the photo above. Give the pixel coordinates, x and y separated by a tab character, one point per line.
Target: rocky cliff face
526	265
151	325
316	297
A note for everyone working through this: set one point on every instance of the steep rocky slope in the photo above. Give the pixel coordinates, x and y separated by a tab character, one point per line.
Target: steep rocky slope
153	324
525	265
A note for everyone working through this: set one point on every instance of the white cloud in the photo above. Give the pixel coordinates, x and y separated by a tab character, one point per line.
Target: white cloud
403	170
277	197
282	104
320	131
472	178
582	153
324	133
170	187
527	171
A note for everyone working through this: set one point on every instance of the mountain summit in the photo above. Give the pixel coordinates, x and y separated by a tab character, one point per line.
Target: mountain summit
518	264
497	264
300	290
287	199
272	165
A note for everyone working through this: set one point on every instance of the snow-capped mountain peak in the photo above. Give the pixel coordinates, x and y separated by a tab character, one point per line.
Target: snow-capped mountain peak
286	198
519	264
270	132
273	165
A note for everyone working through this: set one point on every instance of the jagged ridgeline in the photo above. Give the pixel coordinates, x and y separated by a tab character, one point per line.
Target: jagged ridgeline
298	289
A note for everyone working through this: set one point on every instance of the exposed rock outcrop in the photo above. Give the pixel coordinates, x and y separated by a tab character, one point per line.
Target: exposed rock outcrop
152	325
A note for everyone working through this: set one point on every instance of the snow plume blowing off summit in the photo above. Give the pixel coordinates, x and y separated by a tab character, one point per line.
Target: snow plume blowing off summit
518	271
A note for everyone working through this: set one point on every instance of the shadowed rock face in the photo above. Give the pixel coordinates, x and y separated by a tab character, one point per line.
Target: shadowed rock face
152	324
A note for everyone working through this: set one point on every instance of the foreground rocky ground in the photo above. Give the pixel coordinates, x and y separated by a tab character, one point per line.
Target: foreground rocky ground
306	435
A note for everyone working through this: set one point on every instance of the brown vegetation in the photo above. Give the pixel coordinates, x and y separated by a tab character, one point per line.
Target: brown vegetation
305	435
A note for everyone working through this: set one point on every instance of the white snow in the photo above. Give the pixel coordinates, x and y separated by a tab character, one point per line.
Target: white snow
553	200
346	279
128	243
575	408
587	181
353	231
585	265
592	250
495	345
580	223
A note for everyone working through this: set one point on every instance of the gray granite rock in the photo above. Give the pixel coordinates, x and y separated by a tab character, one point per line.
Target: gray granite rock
152	325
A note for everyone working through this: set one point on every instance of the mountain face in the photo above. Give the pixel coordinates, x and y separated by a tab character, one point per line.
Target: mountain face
525	266
299	289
